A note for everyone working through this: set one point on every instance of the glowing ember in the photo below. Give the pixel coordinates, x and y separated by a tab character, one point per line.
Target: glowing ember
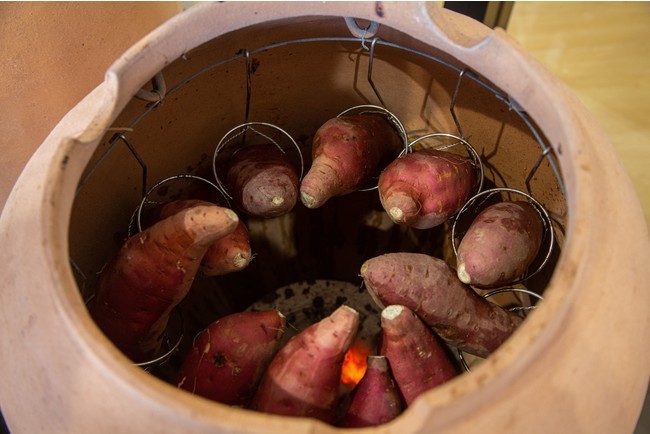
354	364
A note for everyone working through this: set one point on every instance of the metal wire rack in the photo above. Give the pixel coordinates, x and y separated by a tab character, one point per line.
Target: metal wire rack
366	39
160	92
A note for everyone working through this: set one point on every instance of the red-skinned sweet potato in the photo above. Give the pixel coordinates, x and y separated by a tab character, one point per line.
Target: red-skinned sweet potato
152	273
263	181
430	288
347	152
226	255
417	361
375	400
229	357
423	189
500	244
229	254
304	378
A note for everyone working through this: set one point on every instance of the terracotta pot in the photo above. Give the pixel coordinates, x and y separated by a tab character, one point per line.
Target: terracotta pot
578	363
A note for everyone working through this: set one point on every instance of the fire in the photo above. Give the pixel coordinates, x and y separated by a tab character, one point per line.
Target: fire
354	364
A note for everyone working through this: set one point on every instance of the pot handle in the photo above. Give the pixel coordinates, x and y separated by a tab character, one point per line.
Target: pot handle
424	18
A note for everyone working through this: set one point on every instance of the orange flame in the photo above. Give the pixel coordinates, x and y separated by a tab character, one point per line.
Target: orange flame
354	364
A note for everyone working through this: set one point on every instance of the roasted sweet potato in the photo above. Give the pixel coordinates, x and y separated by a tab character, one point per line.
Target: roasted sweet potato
263	181
376	400
347	152
417	360
228	358
429	287
304	378
423	189
152	273
226	255
229	254
500	244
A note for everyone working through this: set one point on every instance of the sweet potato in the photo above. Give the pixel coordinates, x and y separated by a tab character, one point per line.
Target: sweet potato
263	181
229	357
425	188
376	400
430	288
500	244
347	152
229	254
304	378
151	274
418	362
226	255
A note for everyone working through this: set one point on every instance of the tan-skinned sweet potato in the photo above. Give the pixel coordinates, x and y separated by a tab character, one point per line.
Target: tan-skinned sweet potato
347	152
429	287
228	254
304	378
500	244
423	189
152	272
263	181
376	400
229	357
417	361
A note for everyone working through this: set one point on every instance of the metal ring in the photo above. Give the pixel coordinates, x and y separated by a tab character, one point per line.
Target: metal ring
137	215
172	346
495	292
394	120
546	219
476	159
243	128
147	365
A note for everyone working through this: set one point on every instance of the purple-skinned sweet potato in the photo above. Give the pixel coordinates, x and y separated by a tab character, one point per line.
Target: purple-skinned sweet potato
228	358
430	288
423	189
416	358
304	378
500	244
151	274
263	181
376	400
347	151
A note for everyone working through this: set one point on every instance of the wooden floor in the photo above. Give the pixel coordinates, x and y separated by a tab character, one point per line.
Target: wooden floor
601	50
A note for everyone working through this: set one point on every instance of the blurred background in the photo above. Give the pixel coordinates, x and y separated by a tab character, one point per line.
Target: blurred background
600	49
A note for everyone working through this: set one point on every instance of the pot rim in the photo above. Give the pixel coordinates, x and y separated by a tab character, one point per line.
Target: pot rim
445	404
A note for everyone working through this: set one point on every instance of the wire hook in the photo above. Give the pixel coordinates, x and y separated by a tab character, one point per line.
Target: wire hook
369	32
453	103
370	63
